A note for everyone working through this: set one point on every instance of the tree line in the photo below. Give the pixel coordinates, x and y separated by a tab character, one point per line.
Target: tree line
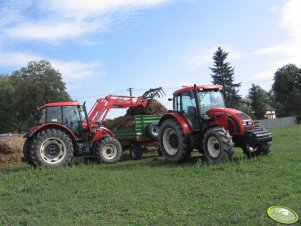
284	96
39	83
25	90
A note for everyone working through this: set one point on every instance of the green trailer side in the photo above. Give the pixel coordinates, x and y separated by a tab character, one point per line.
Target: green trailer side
137	139
139	131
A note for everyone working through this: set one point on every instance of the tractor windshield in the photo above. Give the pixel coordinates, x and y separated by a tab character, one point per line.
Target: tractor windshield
210	99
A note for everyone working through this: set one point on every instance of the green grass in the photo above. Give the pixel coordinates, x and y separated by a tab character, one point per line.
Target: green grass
153	192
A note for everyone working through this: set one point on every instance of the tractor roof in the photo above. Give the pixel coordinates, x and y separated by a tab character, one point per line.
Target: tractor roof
58	104
199	87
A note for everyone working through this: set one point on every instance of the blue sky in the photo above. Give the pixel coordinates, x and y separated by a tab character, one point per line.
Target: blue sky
106	46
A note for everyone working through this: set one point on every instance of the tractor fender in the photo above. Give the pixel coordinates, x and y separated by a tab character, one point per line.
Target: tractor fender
211	126
179	118
101	133
55	126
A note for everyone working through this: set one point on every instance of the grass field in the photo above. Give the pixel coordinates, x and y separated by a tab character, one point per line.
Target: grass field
152	192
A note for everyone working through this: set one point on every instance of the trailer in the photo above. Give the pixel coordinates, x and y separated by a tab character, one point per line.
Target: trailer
141	138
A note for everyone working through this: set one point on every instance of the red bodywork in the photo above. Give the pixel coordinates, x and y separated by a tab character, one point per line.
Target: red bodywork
222	117
96	115
68	131
180	119
199	87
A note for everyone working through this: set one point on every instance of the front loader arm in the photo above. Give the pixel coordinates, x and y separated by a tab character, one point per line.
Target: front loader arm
102	106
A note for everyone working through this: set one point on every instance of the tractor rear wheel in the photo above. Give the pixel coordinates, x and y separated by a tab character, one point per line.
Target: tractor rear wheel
51	147
172	143
26	151
217	145
109	150
261	149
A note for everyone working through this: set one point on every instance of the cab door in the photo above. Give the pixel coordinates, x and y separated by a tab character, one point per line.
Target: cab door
185	104
72	119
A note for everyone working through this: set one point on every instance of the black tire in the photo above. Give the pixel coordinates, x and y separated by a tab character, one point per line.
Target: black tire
26	151
109	150
217	145
262	149
51	147
136	152
152	131
172	142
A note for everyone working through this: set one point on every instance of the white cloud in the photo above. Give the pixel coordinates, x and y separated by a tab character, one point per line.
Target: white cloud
88	8
52	31
17	59
203	57
268	74
76	70
58	20
72	71
290	51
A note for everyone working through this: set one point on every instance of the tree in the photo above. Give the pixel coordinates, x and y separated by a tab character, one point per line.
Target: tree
223	74
35	85
287	91
6	99
259	99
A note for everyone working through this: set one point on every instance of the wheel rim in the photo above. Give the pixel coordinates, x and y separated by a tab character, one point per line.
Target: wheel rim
109	151
214	147
251	149
155	130
170	141
53	150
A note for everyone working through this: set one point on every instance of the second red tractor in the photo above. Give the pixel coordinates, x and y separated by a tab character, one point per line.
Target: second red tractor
200	120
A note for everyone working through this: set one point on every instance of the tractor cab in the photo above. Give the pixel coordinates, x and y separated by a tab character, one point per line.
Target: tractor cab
69	114
194	102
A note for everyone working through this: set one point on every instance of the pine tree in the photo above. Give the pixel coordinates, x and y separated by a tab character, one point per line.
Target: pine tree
259	99
223	74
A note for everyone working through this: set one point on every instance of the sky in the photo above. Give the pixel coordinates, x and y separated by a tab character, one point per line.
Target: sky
104	47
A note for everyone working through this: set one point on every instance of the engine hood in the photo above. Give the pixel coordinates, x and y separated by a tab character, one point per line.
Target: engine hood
223	110
231	119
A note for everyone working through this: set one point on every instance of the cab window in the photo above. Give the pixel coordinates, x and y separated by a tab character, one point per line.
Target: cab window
54	114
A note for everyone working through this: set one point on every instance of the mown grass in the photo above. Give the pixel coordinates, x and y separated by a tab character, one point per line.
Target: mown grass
153	192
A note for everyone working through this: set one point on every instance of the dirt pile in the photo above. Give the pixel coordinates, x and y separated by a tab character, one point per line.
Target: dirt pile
11	149
154	108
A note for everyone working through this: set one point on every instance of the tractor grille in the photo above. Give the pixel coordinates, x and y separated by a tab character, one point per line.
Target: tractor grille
243	116
249	127
249	124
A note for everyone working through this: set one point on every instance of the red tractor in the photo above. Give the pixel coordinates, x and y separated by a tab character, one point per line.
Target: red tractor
200	120
65	129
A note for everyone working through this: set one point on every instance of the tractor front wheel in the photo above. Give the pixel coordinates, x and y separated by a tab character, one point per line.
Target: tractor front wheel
260	149
109	150
217	145
51	147
172	142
